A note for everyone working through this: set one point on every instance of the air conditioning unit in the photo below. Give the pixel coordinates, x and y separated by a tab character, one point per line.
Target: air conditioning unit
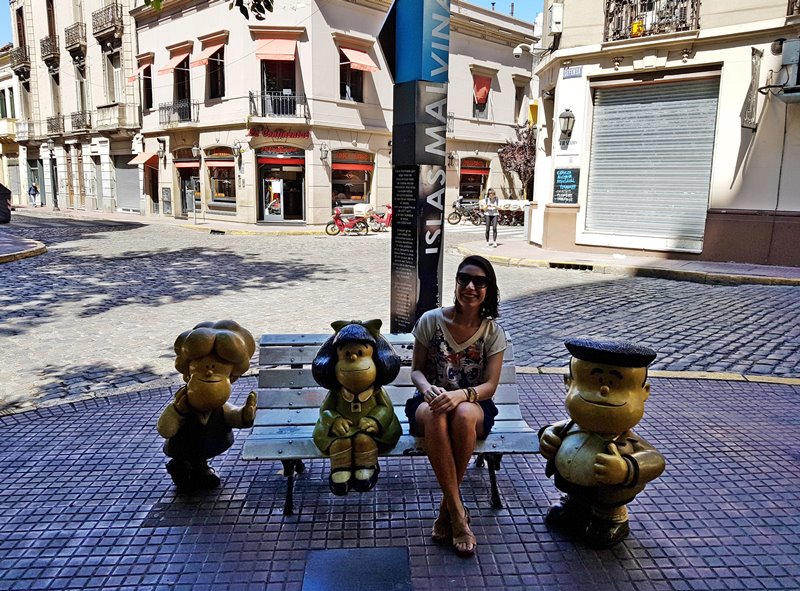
790	59
555	24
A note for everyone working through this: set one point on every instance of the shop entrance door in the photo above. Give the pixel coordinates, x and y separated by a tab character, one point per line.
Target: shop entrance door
190	194
293	200
272	198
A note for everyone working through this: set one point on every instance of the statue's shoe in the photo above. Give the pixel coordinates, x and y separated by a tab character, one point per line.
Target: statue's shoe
368	484
568	514
340	489
205	477
181	473
605	534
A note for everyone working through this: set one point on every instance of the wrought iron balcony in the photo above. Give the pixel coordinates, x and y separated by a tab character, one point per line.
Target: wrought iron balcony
81	120
49	47
118	116
794	7
626	19
75	37
277	104
182	111
107	21
20	60
55	125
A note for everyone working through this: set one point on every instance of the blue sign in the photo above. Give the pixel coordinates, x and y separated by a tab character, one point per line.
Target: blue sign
421	31
573	72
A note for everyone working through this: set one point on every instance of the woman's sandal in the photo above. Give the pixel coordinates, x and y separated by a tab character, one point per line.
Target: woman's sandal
442	528
463	537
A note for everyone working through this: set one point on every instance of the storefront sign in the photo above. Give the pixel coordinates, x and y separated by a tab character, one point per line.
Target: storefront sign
565	189
573	72
351	156
473	163
282	152
277	133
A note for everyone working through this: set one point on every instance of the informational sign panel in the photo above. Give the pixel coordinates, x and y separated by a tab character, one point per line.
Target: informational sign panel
416	43
565	188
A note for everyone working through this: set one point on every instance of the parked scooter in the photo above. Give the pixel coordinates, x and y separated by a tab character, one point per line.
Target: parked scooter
350	225
378	223
460	211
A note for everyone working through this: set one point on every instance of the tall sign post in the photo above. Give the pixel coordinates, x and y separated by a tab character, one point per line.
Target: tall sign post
416	42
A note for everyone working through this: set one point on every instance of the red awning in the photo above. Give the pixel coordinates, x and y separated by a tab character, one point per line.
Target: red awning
220	163
346	166
273	160
481	171
145	158
359	60
136	75
188	164
206	53
173	63
481	86
282	50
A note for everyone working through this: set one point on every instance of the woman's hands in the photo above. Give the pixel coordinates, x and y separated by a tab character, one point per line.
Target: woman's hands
441	401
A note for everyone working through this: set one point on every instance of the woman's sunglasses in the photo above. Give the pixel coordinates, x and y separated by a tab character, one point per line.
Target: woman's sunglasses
479	281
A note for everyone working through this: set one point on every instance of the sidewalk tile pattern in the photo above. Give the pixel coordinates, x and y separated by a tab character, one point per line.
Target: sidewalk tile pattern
86	505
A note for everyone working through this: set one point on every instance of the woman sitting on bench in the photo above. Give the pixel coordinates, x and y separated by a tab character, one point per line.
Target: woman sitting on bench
458	355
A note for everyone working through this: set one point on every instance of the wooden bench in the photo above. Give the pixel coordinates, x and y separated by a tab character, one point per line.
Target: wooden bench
289	401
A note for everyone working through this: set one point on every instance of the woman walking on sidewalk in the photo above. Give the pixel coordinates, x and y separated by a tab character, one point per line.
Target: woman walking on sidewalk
33	193
490	212
458	355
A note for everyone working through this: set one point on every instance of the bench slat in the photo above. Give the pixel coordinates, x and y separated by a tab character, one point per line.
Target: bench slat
305	431
309	416
269	340
301	449
302	378
313	397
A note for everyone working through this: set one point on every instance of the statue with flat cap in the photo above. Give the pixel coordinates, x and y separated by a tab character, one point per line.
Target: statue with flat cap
597	460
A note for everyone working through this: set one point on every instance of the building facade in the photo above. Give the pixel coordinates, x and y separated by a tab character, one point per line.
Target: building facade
279	121
76	116
9	150
670	126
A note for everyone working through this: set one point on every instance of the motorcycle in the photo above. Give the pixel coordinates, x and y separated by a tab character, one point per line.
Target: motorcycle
379	223
355	225
460	211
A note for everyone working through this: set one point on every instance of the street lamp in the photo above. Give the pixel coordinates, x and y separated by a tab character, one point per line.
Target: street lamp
196	151
323	152
451	158
567	122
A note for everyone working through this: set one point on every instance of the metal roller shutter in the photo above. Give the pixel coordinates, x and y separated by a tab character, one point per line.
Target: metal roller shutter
650	168
127	177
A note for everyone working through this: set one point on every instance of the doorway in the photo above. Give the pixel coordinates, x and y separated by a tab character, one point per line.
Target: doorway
190	192
281	194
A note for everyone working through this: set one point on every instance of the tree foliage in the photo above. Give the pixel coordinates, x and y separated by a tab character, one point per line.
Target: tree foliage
258	8
520	156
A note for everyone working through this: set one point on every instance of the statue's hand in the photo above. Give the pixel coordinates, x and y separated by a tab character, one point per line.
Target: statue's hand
610	468
369	425
249	410
181	402
340	426
549	443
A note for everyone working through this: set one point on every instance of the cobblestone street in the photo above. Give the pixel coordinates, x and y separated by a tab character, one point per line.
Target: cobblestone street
102	307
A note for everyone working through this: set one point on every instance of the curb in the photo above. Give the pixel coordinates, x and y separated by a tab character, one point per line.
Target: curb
276	232
36	250
634	271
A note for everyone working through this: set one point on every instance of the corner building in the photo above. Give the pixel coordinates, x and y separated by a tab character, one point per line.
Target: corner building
277	121
685	119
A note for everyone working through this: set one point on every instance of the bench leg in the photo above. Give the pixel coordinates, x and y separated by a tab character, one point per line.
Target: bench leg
290	467
493	461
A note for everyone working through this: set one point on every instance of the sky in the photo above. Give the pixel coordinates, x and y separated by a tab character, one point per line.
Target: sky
523	9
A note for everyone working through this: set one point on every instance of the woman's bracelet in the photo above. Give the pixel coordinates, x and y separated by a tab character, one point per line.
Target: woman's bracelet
472	395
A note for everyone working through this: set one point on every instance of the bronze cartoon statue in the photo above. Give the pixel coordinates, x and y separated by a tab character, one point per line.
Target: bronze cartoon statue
357	420
198	423
597	461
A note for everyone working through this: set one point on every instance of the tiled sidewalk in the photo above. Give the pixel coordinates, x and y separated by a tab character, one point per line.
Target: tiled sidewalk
86	504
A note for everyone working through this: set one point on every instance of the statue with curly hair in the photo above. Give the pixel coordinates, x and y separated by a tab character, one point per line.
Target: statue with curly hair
357	420
198	423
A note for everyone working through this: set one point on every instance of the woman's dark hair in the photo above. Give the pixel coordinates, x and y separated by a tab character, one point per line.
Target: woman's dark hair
387	362
490	305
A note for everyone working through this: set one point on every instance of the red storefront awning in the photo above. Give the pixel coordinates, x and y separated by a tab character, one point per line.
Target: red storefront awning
346	166
207	53
145	158
189	164
359	60
281	50
481	86
481	171
272	160
173	63
220	163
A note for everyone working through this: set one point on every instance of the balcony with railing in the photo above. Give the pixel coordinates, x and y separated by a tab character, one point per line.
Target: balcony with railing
81	121
55	125
630	19
50	52
25	130
117	116
794	8
8	130
181	111
276	104
20	61
107	21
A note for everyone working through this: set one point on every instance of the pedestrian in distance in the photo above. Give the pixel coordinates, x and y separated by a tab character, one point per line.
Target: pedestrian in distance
456	363
33	194
490	214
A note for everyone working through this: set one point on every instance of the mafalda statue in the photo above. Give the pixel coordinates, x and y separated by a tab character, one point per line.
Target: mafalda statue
198	423
356	419
597	460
